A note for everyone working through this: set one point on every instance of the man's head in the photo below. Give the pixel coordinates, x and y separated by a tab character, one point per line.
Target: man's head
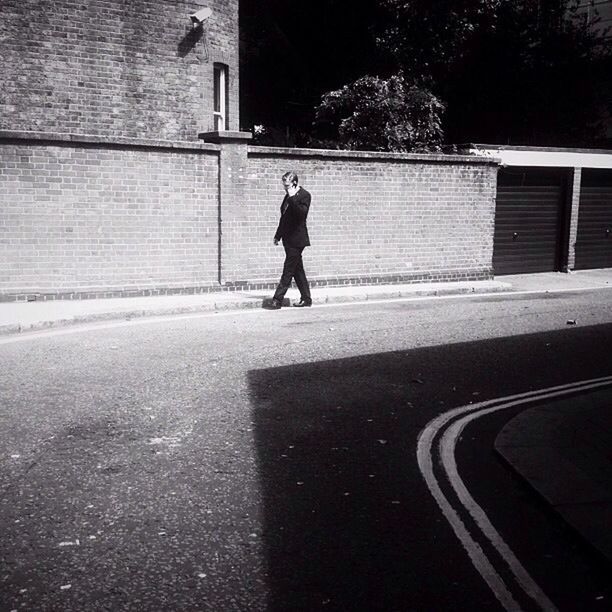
290	182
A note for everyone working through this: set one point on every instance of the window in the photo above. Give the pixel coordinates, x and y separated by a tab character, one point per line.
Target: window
220	97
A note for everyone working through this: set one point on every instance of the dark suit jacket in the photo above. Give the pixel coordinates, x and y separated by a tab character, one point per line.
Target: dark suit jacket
292	228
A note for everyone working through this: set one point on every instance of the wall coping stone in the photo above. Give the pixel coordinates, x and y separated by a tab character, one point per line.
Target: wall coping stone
546	157
225	136
373	155
58	137
502	147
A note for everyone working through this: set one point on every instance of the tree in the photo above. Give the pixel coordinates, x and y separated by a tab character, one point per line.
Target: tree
507	71
426	39
291	52
380	114
422	42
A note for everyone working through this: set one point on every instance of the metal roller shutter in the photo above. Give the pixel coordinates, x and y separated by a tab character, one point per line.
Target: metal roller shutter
529	220
594	237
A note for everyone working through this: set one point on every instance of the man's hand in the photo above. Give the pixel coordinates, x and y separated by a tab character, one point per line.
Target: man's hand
275	242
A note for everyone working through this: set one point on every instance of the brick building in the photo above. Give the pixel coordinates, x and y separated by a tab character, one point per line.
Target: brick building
118	68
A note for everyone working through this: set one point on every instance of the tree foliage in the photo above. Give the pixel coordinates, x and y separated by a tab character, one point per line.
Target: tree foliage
292	52
506	71
537	77
425	38
381	114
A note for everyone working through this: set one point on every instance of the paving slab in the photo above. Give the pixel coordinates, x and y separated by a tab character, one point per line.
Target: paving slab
560	281
551	446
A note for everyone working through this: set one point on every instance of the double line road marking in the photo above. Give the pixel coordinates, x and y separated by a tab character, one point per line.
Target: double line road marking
436	445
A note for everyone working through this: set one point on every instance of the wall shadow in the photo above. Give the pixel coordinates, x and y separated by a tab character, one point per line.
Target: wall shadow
189	41
347	521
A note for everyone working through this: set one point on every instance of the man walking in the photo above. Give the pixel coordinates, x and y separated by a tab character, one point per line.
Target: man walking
293	232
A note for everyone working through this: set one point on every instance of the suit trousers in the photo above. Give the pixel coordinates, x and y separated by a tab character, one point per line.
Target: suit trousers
293	269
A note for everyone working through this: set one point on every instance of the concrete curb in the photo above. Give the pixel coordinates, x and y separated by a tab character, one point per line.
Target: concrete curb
124	314
208	303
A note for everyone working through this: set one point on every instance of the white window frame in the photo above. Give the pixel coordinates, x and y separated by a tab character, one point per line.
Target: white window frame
220	95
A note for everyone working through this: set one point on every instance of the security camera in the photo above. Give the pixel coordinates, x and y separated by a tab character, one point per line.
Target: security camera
199	17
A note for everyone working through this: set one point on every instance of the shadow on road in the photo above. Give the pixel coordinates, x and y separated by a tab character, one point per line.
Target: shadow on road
348	523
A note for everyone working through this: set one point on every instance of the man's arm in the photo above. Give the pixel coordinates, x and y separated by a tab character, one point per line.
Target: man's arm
299	204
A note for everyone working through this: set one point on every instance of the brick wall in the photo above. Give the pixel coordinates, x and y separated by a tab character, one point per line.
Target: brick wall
130	68
105	188
94	218
375	216
86	216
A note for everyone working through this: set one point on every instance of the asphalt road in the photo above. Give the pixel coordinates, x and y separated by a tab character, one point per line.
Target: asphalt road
267	460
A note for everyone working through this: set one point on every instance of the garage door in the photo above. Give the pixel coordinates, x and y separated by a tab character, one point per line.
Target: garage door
529	220
594	237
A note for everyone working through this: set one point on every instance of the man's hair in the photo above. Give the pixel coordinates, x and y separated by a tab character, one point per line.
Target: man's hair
291	177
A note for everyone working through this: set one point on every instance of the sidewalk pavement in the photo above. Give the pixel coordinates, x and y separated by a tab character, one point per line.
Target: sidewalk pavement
17	317
563	449
573	435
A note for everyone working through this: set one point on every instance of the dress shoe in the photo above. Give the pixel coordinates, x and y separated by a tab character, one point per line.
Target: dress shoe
303	303
273	305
